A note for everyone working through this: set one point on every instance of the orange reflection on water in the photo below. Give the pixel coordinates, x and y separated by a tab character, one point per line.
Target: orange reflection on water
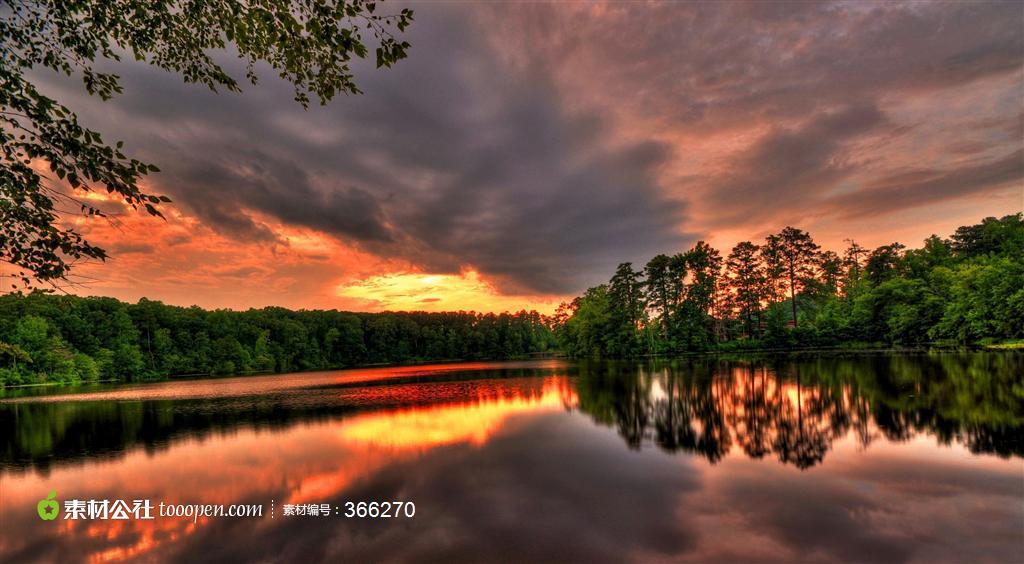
379	439
148	536
312	462
422	428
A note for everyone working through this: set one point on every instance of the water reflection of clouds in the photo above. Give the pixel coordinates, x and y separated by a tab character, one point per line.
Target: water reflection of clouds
550	488
515	469
306	463
901	504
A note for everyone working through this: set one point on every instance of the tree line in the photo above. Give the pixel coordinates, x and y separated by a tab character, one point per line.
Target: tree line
70	339
787	292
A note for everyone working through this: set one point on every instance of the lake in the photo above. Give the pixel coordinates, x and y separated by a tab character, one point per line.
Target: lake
877	457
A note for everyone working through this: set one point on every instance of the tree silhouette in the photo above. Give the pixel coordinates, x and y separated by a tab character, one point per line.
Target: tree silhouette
798	252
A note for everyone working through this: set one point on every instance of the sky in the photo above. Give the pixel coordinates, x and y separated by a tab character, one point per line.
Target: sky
523	150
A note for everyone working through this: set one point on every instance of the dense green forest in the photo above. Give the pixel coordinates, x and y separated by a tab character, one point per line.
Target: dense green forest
51	338
787	292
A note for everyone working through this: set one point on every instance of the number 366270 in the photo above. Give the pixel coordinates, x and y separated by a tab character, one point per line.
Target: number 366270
379	509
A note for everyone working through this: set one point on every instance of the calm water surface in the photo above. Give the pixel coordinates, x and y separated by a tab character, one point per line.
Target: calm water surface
872	457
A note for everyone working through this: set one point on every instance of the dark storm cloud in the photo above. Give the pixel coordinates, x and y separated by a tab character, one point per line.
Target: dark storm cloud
451	159
924	186
742	61
778	72
255	180
791	165
486	147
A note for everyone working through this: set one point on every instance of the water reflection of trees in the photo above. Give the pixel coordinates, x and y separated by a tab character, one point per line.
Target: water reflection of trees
795	409
790	409
40	435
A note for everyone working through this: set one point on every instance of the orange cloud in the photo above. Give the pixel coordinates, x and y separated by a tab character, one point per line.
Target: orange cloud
182	261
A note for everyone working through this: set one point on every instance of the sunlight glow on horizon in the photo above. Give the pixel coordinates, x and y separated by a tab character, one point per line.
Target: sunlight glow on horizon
417	291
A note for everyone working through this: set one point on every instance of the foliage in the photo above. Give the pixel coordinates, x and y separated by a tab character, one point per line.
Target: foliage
745	285
68	339
309	43
590	325
787	293
625	294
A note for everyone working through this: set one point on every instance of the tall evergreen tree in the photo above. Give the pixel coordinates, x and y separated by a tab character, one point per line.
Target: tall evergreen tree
695	323
798	252
746	284
774	268
658	288
626	304
830	267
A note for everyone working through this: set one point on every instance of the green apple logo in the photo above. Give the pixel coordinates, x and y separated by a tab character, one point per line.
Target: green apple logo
48	508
